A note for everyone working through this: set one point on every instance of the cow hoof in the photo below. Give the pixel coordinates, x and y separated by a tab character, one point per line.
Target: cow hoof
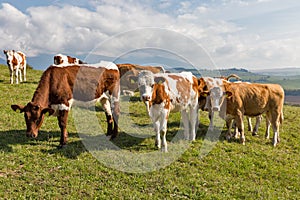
254	134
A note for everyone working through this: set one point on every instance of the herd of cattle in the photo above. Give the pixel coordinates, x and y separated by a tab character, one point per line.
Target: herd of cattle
69	81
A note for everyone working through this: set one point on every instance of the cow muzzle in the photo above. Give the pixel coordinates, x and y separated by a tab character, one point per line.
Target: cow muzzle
146	98
216	109
31	134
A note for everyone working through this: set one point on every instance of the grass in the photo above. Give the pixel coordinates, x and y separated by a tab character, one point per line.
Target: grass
35	168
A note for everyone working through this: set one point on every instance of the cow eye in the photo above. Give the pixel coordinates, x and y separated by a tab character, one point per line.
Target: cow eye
152	85
36	108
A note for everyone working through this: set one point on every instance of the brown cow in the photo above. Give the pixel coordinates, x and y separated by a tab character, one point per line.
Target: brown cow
59	87
244	99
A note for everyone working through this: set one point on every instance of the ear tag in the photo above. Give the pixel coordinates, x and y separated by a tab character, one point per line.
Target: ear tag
18	111
205	95
47	114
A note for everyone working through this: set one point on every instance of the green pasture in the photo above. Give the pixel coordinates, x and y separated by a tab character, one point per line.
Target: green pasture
88	168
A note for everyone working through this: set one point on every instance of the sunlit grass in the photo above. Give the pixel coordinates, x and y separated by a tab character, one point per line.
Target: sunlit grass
35	168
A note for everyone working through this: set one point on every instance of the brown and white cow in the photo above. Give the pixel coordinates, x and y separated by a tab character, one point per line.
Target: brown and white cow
129	75
236	100
171	92
16	61
59	87
63	60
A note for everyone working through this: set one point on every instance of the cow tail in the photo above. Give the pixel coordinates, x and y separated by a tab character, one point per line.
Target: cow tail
281	117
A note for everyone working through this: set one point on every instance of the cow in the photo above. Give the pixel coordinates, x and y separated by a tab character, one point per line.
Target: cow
129	75
236	100
172	92
64	60
16	61
60	87
205	85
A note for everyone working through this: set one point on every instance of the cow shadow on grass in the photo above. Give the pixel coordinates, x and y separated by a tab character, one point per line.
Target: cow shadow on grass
48	142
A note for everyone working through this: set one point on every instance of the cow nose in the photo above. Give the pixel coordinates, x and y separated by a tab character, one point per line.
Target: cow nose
146	97
205	108
216	109
31	135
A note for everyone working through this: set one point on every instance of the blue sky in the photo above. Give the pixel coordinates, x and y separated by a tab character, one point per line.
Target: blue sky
252	34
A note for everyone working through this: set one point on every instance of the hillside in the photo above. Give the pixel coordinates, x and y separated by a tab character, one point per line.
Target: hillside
208	168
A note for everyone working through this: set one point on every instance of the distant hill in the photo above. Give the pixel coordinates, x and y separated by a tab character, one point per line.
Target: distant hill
288	71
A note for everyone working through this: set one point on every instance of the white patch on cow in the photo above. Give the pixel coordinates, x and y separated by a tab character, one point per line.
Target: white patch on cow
59	107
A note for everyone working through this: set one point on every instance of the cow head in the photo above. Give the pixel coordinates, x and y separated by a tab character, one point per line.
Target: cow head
9	55
34	116
58	59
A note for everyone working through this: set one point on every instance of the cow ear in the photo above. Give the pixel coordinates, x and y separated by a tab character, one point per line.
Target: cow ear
133	78
204	93
5	51
48	111
17	108
228	94
159	80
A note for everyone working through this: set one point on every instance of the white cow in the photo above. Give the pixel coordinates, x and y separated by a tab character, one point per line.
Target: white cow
16	61
173	92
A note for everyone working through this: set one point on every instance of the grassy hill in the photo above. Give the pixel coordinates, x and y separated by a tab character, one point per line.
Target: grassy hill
35	168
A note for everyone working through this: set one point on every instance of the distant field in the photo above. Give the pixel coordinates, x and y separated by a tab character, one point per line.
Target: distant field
36	169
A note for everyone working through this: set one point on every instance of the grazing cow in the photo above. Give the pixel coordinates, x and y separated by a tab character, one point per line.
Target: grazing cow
167	93
64	60
59	87
235	100
129	75
16	61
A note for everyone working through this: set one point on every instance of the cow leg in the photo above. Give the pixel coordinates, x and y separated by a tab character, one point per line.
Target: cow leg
185	120
257	123
249	124
240	126
193	122
20	75
109	118
275	125
211	120
24	73
164	136
11	75
62	122
157	132
116	114
268	118
17	76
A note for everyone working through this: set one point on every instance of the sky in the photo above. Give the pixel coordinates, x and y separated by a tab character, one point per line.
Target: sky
251	34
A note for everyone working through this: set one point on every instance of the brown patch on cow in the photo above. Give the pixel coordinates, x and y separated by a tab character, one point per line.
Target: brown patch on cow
183	87
23	59
71	59
14	62
159	95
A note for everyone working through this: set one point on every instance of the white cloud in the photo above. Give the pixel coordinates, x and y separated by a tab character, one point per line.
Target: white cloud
234	34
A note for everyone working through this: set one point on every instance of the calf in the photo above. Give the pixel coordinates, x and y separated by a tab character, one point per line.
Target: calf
59	87
171	93
16	61
242	99
63	60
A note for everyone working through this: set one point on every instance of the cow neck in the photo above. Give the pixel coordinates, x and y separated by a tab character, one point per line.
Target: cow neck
41	94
